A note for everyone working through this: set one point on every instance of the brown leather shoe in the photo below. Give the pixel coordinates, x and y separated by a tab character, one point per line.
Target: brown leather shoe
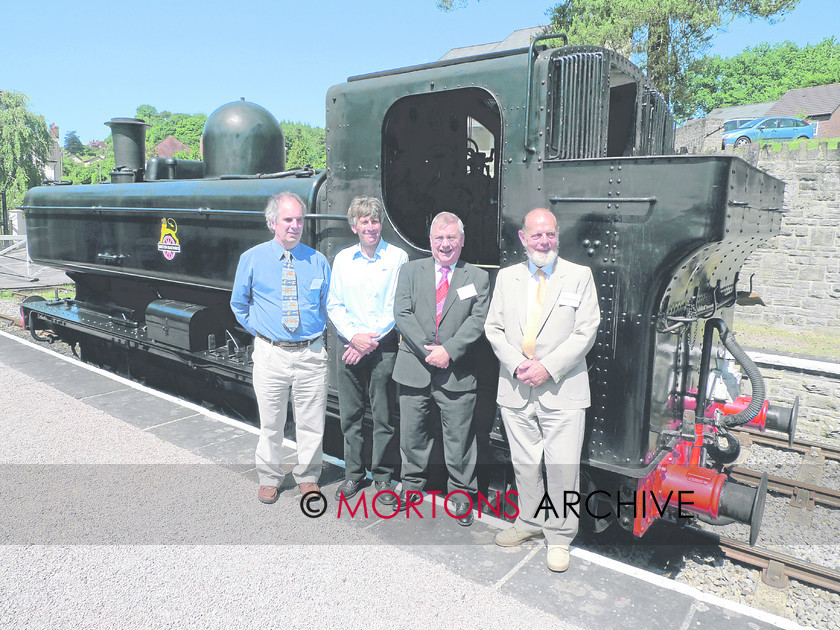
307	487
268	494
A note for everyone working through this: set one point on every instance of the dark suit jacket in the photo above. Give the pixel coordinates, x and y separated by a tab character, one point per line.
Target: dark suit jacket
461	324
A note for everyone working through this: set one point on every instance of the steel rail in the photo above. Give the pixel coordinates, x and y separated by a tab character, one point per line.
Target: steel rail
806	447
804	494
777	566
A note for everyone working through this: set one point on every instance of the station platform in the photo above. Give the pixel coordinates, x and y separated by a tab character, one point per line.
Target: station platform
125	506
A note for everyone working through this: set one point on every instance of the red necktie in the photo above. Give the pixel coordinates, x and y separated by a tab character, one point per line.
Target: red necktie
440	295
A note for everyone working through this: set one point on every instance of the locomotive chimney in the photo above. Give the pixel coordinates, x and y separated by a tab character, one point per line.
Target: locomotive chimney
129	135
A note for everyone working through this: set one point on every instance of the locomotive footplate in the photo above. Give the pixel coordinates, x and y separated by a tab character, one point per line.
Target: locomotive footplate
72	321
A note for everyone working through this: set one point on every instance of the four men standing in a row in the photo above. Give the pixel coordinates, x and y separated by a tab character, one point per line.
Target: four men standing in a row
416	322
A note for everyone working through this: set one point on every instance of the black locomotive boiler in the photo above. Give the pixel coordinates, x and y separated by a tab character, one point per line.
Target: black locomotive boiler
576	129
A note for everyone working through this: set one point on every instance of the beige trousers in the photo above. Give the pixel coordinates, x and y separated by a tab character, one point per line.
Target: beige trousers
545	447
301	373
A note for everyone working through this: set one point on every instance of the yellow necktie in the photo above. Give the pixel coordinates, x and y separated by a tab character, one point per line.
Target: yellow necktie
529	340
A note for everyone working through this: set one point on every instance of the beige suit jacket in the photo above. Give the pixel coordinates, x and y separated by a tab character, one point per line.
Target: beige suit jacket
569	323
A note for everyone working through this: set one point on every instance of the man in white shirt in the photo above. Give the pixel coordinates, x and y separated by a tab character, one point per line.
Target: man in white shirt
361	306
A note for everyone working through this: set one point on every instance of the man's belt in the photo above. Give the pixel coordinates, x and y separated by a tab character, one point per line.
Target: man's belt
289	344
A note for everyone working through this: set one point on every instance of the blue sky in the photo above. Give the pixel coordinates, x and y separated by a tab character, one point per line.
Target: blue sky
83	63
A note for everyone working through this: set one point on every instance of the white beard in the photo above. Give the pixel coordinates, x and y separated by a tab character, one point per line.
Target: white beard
540	259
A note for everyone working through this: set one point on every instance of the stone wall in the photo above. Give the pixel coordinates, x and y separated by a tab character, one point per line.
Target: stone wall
702	135
797	273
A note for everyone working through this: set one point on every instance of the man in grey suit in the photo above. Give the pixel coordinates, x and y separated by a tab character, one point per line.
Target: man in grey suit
542	321
439	308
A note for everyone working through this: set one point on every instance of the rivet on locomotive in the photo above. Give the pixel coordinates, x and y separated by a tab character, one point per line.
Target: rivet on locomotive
577	129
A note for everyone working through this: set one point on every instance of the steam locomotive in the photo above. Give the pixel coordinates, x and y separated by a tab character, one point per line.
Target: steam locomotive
577	129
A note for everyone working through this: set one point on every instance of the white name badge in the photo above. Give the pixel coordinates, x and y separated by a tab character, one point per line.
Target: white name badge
569	299
465	293
316	284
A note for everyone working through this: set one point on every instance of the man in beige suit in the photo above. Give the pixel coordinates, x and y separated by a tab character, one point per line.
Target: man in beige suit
543	319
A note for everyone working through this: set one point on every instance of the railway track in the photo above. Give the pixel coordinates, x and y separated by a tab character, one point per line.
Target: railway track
803	495
778	568
805	447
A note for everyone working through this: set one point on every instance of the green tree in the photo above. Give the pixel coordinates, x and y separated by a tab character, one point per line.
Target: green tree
24	146
664	36
304	145
73	145
93	172
186	128
761	73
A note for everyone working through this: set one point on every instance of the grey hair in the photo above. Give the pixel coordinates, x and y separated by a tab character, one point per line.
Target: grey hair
272	208
447	218
365	207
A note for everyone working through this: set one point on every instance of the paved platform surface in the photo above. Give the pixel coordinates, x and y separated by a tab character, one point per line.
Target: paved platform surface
124	507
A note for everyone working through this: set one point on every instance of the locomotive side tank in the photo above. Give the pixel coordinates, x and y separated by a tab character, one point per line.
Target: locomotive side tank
576	129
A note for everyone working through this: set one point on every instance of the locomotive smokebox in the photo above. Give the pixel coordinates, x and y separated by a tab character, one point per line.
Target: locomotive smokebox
129	135
242	138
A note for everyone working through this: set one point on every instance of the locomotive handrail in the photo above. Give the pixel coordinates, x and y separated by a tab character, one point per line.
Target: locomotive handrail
604	199
201	211
133	209
534	41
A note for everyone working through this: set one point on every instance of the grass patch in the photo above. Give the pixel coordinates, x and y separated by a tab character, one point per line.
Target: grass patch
67	290
817	342
811	143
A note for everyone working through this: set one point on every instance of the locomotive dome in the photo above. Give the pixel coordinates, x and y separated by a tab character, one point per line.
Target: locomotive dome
242	138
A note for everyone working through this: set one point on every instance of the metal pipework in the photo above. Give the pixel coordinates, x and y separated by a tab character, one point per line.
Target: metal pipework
774	417
749	368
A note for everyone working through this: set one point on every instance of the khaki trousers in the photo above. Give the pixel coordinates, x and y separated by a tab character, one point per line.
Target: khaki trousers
279	373
545	447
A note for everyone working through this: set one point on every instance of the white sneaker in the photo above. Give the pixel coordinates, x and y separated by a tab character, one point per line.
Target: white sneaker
558	558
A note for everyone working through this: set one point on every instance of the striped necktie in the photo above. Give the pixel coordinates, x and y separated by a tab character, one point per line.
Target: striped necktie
289	295
529	338
440	297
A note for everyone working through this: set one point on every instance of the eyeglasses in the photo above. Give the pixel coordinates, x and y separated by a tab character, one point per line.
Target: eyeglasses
439	240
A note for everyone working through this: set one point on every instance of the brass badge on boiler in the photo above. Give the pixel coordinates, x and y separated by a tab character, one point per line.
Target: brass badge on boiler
168	244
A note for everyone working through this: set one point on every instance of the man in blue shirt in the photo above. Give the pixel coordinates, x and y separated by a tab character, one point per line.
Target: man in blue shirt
361	306
280	297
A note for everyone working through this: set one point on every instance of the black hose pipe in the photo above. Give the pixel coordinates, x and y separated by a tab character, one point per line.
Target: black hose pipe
749	368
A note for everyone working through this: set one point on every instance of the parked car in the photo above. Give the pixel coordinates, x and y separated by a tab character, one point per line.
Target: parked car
768	129
734	123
